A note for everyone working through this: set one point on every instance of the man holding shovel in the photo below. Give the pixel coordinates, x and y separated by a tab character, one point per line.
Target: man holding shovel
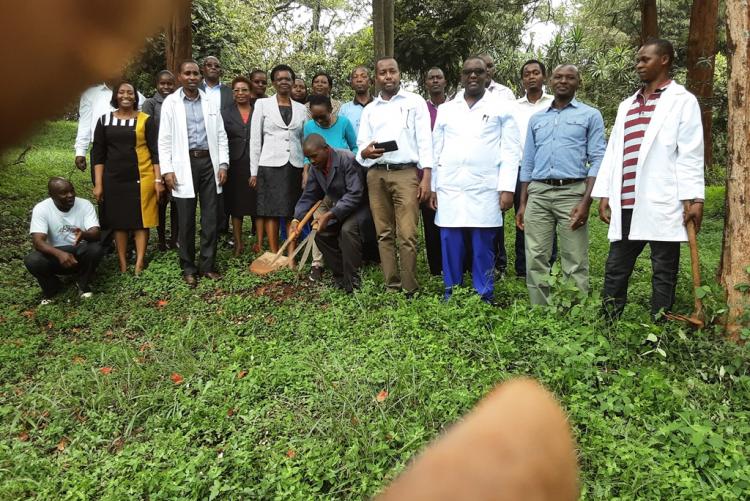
650	183
337	180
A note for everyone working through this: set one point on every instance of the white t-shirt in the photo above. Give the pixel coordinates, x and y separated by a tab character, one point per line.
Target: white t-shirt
59	226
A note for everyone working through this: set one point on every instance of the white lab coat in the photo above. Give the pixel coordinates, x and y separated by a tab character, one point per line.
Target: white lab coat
174	150
669	168
476	153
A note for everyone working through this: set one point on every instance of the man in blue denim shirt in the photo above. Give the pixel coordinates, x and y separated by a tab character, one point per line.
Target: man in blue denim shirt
564	147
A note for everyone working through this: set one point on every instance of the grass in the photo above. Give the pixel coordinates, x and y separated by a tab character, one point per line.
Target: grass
279	378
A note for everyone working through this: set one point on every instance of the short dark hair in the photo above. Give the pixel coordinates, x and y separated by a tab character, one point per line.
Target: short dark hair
239	79
188	61
534	61
162	73
317	99
433	69
664	47
384	58
323	74
116	89
255	72
282	67
359	67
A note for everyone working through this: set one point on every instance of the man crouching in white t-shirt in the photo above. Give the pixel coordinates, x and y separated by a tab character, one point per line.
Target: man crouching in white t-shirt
65	234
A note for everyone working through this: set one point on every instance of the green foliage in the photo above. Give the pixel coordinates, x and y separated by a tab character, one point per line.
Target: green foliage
444	33
659	412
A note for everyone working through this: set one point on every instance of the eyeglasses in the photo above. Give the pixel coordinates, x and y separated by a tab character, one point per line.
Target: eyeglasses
477	71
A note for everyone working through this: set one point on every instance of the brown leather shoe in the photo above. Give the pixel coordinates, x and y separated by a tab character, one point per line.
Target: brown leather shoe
191	280
211	275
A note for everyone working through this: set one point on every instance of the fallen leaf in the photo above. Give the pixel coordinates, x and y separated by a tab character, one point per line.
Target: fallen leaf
291	454
28	313
18	391
139	360
230	412
354	421
161	303
145	346
62	444
109	333
23	437
176	378
106	370
241	374
50	325
78	360
381	396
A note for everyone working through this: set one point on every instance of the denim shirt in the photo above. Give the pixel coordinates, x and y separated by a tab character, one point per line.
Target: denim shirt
563	144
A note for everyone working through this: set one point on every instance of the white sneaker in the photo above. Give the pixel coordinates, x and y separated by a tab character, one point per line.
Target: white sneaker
46	302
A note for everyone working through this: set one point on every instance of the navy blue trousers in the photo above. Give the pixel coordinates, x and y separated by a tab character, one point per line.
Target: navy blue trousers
454	248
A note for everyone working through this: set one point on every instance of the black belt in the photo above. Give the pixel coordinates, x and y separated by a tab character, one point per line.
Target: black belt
559	182
390	167
199	153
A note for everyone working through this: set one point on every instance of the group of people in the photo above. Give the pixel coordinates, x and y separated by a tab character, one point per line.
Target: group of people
380	161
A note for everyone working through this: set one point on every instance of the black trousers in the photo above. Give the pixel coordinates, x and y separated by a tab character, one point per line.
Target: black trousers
204	185
432	241
665	262
341	245
45	268
162	228
501	257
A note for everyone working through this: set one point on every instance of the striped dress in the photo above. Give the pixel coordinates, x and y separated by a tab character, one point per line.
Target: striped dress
128	150
637	120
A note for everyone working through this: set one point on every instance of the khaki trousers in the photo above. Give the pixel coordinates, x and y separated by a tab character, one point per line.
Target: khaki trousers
548	208
395	211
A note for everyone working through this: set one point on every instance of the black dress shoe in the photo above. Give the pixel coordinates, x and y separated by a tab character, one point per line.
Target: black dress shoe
191	280
211	275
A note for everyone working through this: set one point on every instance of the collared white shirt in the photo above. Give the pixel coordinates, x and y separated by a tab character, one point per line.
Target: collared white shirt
405	119
476	153
213	94
95	102
525	109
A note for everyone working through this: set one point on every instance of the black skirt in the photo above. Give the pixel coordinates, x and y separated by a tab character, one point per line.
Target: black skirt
279	188
239	197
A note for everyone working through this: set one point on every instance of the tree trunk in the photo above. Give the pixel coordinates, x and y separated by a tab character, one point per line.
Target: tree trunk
378	28
315	27
649	20
179	36
735	257
388	26
700	63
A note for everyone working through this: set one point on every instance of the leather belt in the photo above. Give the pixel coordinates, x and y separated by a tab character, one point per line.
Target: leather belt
559	182
390	167
199	153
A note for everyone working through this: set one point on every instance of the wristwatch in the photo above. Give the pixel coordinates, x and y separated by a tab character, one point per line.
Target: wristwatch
159	180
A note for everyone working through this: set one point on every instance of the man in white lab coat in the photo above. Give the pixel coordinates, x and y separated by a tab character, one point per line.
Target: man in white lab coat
651	180
476	156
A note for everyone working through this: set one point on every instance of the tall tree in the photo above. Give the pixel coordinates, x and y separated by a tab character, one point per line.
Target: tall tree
701	52
649	20
735	259
382	27
179	36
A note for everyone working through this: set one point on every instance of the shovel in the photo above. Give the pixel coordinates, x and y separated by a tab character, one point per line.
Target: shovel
270	262
696	319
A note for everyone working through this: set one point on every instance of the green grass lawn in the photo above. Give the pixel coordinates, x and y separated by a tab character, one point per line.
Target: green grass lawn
279	377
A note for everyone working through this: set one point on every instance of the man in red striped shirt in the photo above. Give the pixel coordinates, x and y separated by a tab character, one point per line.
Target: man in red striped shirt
651	181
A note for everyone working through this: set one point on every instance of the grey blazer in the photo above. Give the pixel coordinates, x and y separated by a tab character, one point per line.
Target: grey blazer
272	142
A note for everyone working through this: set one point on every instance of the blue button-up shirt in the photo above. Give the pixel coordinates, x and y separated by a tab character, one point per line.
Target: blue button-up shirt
563	144
196	125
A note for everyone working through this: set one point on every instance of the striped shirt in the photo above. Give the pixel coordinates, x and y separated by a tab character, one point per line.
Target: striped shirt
636	123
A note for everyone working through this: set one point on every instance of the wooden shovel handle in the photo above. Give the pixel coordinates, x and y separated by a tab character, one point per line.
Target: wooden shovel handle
293	235
694	263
